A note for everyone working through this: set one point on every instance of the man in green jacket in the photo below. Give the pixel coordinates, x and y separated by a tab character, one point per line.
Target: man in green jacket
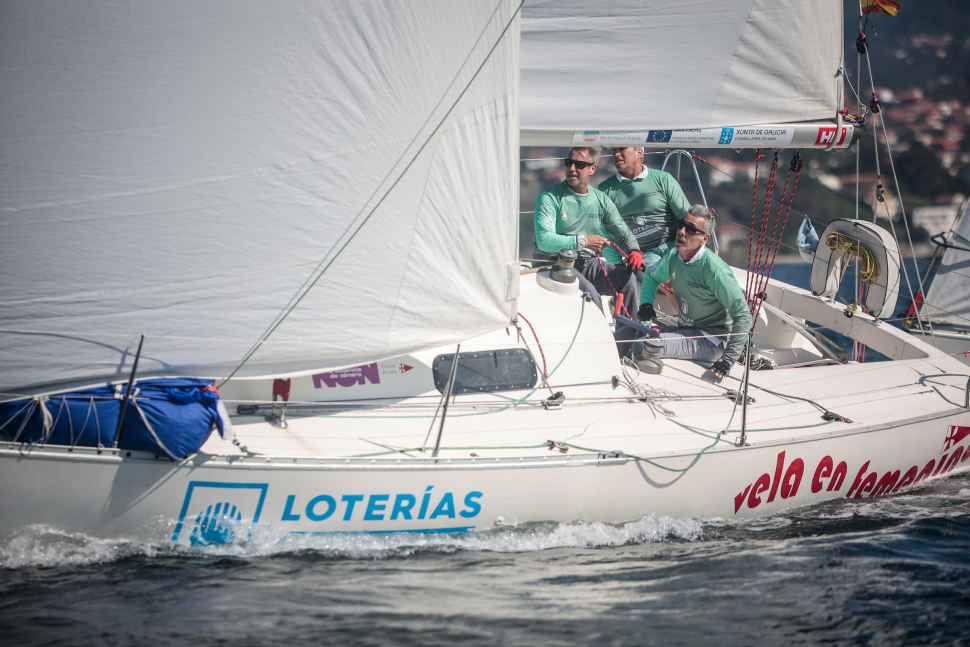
572	214
650	202
714	316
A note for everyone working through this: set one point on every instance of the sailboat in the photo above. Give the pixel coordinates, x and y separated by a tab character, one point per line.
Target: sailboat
298	224
943	317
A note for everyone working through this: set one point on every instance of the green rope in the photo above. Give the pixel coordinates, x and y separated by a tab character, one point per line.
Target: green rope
817	424
780	395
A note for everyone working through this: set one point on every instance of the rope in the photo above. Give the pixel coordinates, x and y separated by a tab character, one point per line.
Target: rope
765	213
868	265
796	163
616	294
545	372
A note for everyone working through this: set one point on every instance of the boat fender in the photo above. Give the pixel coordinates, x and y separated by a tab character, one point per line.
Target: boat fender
843	241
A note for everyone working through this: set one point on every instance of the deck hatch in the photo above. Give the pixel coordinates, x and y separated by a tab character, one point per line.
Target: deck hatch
487	371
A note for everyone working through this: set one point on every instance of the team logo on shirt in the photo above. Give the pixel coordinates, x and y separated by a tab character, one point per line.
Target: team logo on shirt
640	220
564	216
673	274
617	202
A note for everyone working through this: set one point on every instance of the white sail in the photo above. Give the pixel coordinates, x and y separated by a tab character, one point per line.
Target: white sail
636	65
189	170
948	297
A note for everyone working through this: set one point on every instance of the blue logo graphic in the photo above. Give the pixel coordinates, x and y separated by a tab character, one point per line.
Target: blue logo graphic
217	508
215	525
727	134
659	136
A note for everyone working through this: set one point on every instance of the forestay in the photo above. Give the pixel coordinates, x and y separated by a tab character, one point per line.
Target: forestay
948	298
635	65
189	170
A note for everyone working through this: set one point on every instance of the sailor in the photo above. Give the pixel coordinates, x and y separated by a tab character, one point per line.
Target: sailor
571	214
714	317
651	203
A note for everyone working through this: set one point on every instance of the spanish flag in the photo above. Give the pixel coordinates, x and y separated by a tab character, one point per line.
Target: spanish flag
885	6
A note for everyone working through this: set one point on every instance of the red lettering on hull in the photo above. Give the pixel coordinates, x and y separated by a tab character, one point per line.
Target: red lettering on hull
865	484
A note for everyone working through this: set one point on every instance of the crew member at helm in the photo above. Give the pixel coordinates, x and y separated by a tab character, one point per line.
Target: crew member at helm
714	317
650	202
571	214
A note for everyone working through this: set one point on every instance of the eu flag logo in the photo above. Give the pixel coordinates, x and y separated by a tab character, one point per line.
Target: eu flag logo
659	136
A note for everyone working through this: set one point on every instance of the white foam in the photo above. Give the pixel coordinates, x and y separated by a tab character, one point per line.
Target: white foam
267	540
40	546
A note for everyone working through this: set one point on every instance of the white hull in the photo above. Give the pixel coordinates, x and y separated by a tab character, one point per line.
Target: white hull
317	475
157	501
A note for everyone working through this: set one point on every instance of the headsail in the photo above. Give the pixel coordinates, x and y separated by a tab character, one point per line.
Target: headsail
636	65
948	297
190	171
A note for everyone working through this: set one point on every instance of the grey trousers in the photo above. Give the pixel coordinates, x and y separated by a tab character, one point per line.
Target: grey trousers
679	343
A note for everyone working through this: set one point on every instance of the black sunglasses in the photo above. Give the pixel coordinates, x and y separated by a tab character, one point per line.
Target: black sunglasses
688	228
577	163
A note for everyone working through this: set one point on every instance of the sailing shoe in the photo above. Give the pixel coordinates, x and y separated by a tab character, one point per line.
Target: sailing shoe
648	358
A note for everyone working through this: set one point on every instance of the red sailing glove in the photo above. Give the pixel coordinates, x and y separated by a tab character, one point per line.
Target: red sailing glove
634	261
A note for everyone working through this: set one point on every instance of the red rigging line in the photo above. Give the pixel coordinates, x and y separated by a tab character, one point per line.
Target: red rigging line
545	370
599	259
755	263
796	166
765	215
754	202
762	261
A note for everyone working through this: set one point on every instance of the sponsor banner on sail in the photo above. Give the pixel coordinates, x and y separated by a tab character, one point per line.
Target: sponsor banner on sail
750	136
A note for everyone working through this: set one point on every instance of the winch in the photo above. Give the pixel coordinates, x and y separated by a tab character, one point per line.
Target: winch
562	277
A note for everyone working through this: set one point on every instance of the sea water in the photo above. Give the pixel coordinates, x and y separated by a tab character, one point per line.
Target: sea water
887	571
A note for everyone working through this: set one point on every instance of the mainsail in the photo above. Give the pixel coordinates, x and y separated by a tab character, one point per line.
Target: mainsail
635	65
338	179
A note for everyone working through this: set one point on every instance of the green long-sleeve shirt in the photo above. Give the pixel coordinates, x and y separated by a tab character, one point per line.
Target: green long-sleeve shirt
650	205
561	215
709	296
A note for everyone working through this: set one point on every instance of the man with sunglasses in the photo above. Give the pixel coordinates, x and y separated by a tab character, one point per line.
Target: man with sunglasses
650	202
714	317
572	214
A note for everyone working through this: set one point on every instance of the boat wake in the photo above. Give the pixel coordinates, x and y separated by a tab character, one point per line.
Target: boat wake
45	547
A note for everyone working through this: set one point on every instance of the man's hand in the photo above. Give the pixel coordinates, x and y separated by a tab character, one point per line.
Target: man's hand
634	261
722	367
596	243
718	371
646	312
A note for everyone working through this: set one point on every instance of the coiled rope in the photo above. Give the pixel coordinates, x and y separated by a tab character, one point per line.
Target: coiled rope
868	265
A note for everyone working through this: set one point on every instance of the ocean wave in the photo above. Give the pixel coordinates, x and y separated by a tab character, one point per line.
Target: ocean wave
45	547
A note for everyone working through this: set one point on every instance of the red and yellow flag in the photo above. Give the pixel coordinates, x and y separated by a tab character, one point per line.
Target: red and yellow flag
885	6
